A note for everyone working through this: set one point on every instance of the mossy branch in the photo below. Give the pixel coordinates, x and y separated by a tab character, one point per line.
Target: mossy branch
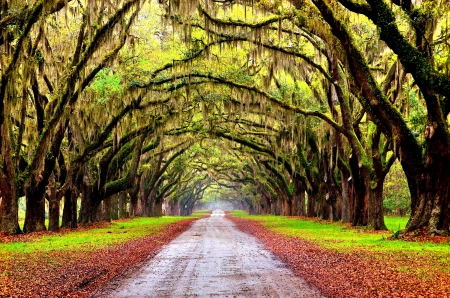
285	105
237	23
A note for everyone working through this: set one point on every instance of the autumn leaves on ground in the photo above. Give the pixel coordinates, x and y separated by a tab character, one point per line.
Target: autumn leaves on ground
346	262
340	261
42	265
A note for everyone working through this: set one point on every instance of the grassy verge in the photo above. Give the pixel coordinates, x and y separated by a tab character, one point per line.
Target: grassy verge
73	263
411	257
343	237
345	261
87	239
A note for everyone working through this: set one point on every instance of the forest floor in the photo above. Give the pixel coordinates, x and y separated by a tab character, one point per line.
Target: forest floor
46	265
358	271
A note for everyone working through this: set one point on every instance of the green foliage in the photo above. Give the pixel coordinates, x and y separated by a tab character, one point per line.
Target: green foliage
22	208
106	84
418	113
396	195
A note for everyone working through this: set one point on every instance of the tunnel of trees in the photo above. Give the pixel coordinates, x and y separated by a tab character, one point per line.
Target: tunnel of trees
323	108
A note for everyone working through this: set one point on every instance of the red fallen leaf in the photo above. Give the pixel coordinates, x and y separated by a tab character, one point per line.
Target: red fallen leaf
364	274
78	273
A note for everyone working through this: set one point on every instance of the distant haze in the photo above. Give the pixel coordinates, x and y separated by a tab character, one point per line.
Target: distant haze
222	205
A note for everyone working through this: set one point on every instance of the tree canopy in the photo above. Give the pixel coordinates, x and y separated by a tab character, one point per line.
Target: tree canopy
282	107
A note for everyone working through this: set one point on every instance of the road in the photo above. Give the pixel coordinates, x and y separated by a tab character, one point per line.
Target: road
211	259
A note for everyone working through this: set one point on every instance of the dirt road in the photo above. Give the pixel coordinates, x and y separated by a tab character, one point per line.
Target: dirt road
211	259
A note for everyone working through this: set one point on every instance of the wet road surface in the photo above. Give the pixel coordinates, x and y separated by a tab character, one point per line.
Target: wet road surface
211	259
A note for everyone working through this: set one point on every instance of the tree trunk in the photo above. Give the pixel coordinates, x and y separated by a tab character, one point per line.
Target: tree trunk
322	207
359	212
174	208
107	209
54	206
9	208
134	210
35	212
157	209
375	216
8	193
134	197
286	205
155	205
122	205
299	194
146	205
115	206
433	189
346	197
69	219
89	206
311	207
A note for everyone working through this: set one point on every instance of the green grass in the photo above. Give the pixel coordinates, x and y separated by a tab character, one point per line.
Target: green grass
395	222
22	222
238	213
97	238
424	260
343	238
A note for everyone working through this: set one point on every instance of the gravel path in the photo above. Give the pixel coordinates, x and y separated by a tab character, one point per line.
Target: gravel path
211	259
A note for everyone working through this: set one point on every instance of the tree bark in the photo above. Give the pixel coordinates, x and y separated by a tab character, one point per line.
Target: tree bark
299	198
69	219
359	212
89	203
122	205
433	190
107	209
54	206
175	207
346	197
9	206
311	212
115	206
35	212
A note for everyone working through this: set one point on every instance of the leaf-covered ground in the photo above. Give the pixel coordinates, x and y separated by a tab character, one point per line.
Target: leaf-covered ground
75	273
361	273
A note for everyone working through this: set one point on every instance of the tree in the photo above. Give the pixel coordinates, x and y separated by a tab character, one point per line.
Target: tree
285	110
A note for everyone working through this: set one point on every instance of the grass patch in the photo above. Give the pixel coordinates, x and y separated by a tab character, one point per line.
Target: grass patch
343	237
238	213
395	222
422	259
91	239
22	222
